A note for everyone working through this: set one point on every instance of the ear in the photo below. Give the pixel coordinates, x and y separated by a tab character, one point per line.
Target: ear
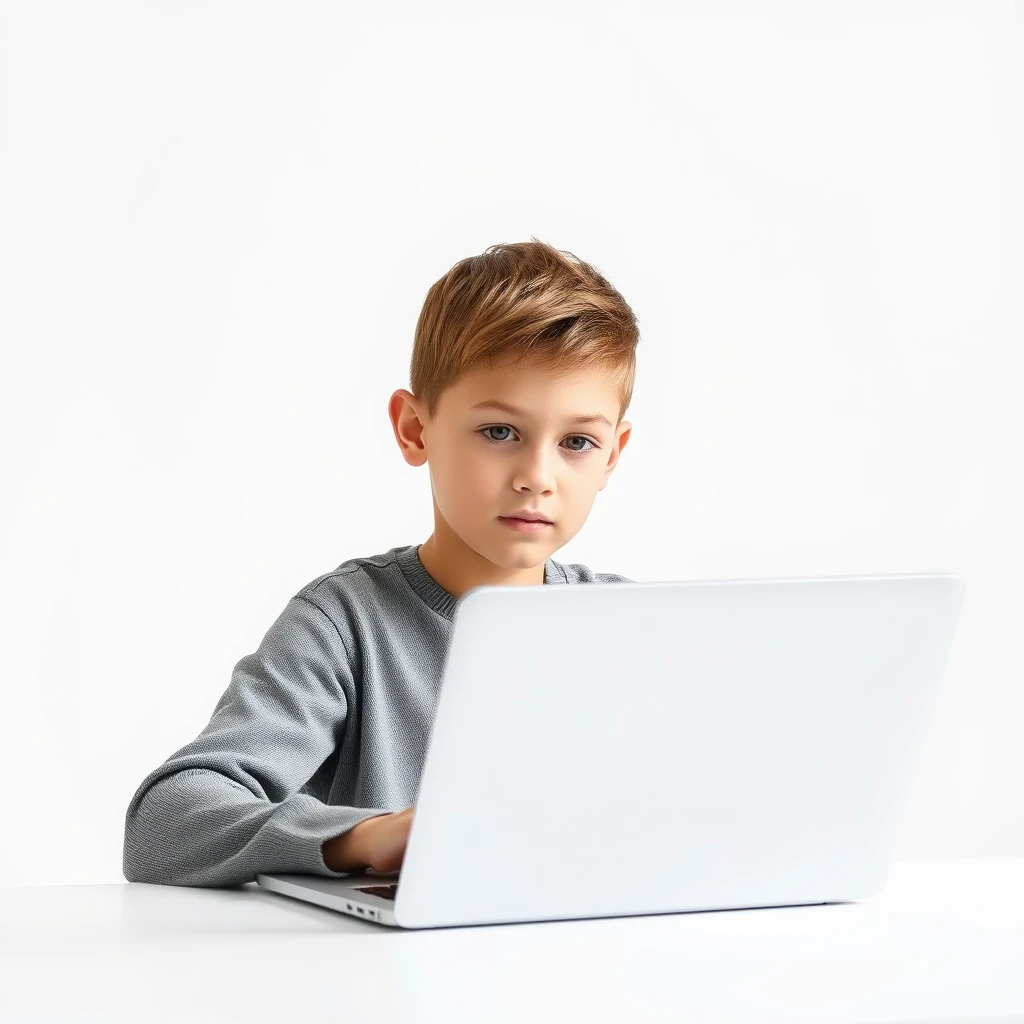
404	410
622	435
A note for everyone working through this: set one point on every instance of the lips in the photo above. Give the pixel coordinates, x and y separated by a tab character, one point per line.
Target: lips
527	517
525	526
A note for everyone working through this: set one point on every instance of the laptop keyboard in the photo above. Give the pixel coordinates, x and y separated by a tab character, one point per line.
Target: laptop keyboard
385	891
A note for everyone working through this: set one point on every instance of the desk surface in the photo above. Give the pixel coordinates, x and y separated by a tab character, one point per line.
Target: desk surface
944	940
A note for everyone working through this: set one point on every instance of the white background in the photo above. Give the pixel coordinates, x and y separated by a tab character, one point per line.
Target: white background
218	222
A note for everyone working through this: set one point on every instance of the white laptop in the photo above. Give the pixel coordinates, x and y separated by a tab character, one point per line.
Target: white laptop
648	748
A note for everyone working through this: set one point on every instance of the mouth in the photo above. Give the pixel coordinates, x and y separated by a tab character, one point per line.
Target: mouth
525	525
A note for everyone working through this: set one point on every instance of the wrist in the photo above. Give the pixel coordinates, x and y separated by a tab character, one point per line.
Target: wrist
349	851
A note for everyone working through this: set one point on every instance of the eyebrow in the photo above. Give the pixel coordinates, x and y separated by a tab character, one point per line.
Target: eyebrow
514	411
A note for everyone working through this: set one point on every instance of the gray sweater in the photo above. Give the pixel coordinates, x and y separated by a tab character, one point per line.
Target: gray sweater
324	725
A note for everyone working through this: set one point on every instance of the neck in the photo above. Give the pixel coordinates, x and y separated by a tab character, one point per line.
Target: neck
458	568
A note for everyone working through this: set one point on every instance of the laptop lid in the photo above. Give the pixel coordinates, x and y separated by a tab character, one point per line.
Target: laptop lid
634	748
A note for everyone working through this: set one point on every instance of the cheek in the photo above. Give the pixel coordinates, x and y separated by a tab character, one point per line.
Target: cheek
478	473
469	469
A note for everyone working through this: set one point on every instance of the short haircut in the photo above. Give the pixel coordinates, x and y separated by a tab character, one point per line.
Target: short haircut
523	299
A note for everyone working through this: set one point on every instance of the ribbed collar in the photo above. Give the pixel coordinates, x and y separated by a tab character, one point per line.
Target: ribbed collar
434	595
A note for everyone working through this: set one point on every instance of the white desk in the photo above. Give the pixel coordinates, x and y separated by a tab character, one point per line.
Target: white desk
943	941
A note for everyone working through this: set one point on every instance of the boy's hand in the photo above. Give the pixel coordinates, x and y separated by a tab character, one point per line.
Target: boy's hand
382	843
377	843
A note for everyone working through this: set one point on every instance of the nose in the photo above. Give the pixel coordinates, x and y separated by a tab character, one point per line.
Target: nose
536	473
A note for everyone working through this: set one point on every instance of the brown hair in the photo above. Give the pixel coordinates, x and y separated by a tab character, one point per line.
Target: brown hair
527	298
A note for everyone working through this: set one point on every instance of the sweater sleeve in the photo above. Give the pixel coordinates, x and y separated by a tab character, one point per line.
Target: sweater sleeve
228	804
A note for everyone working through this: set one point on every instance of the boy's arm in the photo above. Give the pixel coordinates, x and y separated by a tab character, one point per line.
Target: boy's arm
227	805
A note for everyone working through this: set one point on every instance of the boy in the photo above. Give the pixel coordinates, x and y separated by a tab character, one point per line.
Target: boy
522	368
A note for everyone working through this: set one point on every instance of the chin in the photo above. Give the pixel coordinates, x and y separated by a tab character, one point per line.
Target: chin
524	555
514	552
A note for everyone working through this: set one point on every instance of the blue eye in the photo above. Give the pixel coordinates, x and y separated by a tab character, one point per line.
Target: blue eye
573	451
495	440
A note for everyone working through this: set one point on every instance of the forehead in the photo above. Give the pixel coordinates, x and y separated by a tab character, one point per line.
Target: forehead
585	395
536	384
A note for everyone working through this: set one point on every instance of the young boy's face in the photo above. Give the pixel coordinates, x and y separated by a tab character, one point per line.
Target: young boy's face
486	463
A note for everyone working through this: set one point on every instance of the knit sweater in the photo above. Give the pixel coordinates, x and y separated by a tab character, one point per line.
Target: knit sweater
325	725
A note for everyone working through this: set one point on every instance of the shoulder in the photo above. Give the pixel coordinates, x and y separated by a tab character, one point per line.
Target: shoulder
575	572
325	623
357	581
356	594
